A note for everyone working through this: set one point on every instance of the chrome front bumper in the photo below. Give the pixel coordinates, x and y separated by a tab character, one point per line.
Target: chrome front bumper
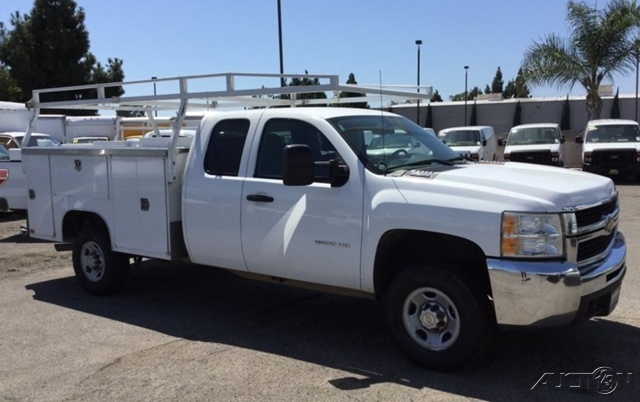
555	293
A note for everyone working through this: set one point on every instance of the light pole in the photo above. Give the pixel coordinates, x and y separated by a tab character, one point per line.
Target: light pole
637	62
418	42
282	80
154	91
466	69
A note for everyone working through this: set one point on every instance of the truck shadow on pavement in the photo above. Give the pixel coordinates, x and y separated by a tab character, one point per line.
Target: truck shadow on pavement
347	334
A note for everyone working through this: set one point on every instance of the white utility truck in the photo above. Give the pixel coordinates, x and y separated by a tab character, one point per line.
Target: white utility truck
454	249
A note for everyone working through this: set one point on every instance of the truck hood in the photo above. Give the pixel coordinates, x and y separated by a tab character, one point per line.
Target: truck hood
600	146
532	148
497	187
473	149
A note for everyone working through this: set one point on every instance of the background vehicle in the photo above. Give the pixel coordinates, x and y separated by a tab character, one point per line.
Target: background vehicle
541	143
88	140
611	147
477	142
13	193
300	195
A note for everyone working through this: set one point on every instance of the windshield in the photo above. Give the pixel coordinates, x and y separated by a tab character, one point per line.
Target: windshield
38	141
461	138
533	135
613	133
387	143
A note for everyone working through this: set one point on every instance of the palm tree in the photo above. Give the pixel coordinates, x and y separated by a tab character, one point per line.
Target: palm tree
599	45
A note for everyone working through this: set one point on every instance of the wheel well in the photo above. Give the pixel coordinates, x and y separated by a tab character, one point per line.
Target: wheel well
400	248
75	221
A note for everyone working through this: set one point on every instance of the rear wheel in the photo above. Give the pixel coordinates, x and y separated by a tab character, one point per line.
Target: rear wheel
99	270
439	320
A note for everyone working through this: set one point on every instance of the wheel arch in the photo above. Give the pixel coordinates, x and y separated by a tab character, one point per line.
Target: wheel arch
401	248
75	221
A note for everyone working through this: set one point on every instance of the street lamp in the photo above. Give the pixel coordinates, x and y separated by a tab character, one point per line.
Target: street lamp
154	91
418	42
466	69
637	62
282	79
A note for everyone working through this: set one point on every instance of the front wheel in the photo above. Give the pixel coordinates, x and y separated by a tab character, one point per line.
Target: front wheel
99	270
439	320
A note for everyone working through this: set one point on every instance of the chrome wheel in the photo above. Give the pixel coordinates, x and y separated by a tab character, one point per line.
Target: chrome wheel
431	318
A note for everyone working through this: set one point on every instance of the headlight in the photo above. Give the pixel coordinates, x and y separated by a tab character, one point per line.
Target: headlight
532	235
587	157
507	157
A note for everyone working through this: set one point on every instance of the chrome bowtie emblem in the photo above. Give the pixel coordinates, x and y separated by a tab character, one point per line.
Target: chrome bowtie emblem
610	226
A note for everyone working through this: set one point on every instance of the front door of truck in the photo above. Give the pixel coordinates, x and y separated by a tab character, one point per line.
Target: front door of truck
310	233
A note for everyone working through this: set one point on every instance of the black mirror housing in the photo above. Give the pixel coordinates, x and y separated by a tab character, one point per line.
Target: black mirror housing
297	165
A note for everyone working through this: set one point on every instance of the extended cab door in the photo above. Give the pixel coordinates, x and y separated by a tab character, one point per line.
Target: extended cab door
310	233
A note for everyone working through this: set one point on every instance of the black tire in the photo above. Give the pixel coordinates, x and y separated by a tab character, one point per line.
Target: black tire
438	319
99	270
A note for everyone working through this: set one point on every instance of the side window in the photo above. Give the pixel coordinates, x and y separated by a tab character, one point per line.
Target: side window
280	132
224	150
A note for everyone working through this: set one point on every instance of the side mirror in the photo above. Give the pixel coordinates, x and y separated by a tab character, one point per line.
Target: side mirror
484	143
501	142
579	139
297	165
562	139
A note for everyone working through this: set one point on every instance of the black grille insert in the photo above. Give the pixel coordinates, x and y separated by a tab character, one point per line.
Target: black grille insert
590	216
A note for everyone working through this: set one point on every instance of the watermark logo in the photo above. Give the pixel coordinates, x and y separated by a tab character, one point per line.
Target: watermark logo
603	380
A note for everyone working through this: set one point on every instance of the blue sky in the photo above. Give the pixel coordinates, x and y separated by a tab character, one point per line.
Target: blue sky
373	39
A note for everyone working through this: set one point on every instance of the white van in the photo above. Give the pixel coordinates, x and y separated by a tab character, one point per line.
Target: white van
476	142
541	143
611	147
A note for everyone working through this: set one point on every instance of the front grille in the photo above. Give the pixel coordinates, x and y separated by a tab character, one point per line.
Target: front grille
590	216
590	247
614	157
539	157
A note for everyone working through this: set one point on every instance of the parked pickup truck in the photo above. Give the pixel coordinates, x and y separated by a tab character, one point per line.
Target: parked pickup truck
13	194
453	249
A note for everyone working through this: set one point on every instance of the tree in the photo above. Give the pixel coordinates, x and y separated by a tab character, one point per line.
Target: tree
497	84
304	81
471	95
8	88
474	115
362	105
516	88
517	115
429	122
600	44
615	107
50	48
487	89
565	120
436	97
